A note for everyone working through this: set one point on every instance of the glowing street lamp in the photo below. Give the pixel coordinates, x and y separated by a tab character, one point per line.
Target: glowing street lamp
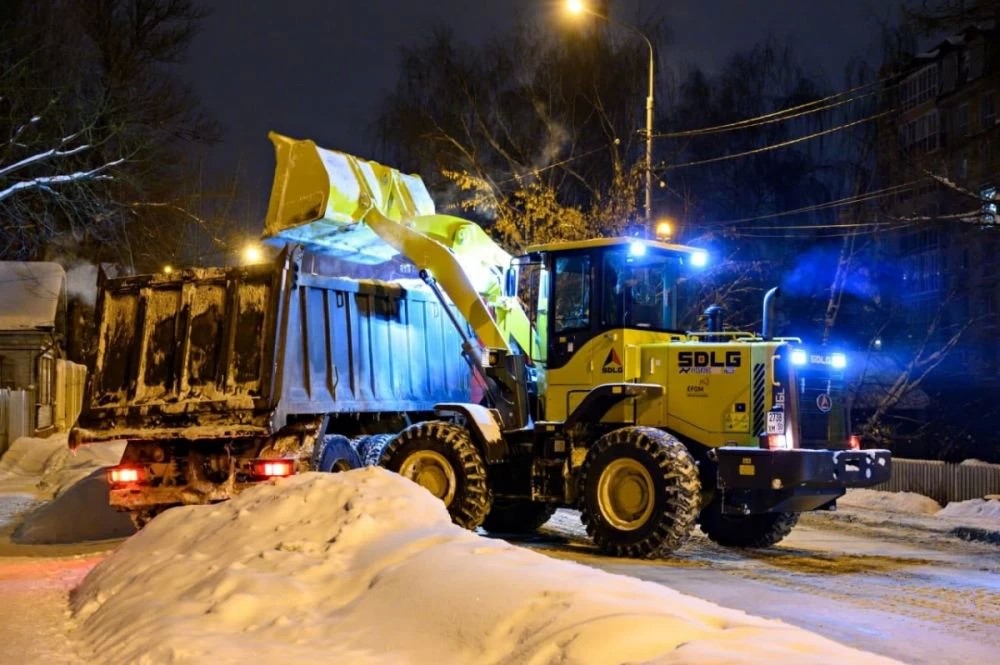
252	254
578	7
664	229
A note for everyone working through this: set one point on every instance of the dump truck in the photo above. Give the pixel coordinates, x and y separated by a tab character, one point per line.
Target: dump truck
578	388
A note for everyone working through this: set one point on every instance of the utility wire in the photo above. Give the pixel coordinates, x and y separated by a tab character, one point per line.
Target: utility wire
777	116
775	146
849	200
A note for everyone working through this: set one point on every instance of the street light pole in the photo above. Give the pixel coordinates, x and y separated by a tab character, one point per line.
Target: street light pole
578	7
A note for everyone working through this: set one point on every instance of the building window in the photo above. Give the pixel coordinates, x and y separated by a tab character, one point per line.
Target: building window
921	134
988	110
919	87
6	373
45	378
976	53
962	121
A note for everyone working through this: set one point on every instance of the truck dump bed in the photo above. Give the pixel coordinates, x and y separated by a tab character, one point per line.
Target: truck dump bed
216	353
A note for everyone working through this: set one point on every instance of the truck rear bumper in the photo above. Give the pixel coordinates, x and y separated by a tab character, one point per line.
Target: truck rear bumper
754	480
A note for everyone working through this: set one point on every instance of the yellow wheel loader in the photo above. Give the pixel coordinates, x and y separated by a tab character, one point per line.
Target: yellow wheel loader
593	398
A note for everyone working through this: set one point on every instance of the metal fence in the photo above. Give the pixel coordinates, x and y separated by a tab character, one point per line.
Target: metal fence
15	416
20	415
942	481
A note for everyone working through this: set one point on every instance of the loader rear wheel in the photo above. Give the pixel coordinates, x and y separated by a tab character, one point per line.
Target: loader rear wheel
371	447
517	516
756	531
338	454
641	492
441	457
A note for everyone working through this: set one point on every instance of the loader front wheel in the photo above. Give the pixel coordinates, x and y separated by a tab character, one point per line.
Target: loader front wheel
518	516
641	493
756	531
441	457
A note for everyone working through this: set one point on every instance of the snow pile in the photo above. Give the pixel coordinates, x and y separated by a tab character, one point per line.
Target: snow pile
974	508
893	502
365	567
49	466
73	480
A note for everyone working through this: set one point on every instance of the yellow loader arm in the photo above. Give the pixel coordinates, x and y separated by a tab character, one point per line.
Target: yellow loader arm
362	211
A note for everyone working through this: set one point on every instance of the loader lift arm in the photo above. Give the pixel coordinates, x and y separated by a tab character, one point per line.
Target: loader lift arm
365	212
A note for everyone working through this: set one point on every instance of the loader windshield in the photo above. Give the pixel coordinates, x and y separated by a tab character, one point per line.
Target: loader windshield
638	290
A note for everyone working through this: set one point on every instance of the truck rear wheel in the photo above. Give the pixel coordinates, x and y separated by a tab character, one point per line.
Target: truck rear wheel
757	531
440	457
371	447
641	492
338	454
517	516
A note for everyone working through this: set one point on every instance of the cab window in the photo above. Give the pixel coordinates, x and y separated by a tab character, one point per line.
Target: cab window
571	293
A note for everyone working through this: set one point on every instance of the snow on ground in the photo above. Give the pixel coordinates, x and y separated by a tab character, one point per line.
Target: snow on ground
366	567
68	488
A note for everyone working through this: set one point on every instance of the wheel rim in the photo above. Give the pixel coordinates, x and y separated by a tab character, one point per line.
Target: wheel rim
432	471
625	492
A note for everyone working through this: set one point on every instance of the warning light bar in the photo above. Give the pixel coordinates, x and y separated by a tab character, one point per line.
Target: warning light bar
124	474
273	468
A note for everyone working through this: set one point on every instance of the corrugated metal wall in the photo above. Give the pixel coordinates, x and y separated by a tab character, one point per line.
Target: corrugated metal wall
943	482
14	416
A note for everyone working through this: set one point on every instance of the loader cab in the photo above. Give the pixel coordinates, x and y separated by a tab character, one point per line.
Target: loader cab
586	300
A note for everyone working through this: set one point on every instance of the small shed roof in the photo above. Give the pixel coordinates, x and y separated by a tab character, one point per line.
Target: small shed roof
29	294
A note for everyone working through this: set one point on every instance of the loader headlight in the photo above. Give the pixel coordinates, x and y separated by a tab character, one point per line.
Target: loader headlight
637	248
799	357
699	259
838	361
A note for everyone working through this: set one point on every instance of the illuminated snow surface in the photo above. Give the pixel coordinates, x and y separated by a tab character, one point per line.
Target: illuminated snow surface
359	567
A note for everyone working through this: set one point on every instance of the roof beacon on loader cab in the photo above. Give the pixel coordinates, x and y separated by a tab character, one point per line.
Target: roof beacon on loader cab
592	396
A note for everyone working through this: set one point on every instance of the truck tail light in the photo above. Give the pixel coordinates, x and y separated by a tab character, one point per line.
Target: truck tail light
273	468
777	442
854	442
125	474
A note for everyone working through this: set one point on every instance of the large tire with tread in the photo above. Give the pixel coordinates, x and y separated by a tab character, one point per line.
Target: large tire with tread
519	516
756	531
640	493
441	457
337	454
371	447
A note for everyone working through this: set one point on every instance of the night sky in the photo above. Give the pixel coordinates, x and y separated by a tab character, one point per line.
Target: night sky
319	68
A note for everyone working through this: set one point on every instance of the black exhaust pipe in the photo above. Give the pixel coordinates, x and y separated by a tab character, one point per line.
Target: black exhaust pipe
770	313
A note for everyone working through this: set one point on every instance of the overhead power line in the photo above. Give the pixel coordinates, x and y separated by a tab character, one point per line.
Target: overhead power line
775	146
816	106
849	200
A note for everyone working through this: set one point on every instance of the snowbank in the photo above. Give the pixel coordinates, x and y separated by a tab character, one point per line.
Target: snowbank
893	502
73	485
48	466
366	567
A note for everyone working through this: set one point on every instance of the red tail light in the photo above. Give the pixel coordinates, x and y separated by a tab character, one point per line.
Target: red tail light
125	474
777	442
273	468
854	442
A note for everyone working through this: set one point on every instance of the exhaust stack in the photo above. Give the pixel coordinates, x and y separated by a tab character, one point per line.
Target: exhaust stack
770	312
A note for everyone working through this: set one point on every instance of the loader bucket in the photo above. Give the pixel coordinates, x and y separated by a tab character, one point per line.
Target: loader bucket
320	197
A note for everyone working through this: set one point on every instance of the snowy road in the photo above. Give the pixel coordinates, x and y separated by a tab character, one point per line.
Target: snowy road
871	581
887	584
